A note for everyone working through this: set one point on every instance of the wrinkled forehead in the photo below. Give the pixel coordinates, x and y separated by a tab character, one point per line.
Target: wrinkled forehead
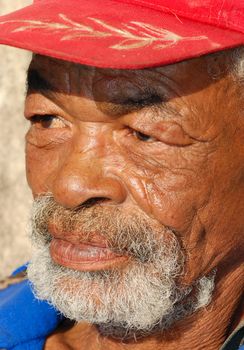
71	78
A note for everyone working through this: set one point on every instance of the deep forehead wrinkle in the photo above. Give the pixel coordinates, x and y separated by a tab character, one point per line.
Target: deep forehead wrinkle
126	103
115	92
145	79
48	74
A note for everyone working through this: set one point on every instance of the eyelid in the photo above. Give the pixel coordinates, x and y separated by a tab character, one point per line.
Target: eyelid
38	117
39	105
137	134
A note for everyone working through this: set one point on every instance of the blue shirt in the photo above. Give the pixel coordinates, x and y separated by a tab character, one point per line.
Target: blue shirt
26	322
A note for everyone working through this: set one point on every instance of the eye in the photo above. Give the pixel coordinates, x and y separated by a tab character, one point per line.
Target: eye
47	121
143	137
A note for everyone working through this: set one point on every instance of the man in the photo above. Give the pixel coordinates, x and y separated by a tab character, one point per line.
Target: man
135	158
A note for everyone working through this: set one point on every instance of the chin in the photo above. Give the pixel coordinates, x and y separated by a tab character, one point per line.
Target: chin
109	298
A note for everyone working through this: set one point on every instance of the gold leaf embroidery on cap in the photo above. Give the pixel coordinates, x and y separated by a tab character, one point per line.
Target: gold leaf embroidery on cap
133	34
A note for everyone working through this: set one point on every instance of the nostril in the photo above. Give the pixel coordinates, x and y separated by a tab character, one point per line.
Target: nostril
92	201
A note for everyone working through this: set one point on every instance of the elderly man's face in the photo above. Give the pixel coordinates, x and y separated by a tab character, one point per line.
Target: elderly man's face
148	163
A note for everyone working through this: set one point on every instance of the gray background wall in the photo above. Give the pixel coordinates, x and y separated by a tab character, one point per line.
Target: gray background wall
15	197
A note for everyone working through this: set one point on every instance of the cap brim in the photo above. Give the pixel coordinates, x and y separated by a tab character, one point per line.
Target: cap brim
110	34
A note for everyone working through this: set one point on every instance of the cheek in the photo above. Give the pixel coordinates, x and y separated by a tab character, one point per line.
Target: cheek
169	190
171	203
40	167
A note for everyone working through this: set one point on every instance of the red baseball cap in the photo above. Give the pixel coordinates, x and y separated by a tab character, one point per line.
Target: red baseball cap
124	34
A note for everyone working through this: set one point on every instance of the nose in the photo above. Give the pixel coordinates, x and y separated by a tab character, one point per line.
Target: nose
86	181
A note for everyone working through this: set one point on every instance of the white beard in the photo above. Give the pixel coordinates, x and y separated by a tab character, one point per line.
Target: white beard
139	298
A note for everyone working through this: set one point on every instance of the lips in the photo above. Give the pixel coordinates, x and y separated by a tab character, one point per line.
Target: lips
84	256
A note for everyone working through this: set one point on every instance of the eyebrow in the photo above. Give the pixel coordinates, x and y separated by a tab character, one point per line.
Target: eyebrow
36	83
151	101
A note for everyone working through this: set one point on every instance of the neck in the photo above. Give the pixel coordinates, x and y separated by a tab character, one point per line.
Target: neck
206	329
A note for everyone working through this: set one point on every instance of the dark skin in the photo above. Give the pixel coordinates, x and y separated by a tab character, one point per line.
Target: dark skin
167	140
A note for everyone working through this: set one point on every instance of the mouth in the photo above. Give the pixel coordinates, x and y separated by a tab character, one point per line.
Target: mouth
85	256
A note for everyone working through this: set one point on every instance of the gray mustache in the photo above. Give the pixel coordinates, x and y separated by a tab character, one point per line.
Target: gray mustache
131	234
